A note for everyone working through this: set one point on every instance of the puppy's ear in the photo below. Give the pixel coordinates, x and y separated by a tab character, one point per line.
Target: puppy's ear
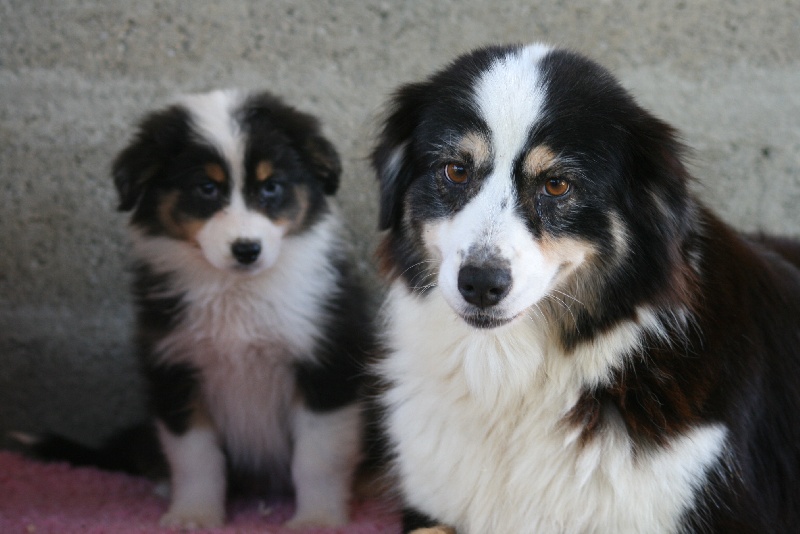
157	140
392	158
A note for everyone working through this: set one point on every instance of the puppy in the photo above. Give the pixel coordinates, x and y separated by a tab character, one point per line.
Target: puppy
575	342
252	329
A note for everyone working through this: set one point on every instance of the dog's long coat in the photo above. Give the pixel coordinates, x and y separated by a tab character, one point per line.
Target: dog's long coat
575	343
252	330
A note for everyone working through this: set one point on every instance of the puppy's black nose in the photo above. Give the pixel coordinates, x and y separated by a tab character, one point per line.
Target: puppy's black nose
245	251
484	286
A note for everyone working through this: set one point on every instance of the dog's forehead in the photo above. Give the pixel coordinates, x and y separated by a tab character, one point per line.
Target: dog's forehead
214	121
494	118
509	98
531	106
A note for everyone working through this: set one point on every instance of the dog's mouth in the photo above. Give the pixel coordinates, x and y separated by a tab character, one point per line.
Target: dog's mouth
247	269
485	321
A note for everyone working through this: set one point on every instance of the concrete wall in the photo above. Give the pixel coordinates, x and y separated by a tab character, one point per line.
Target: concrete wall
75	75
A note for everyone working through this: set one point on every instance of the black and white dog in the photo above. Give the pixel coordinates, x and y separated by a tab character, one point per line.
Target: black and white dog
575	343
252	329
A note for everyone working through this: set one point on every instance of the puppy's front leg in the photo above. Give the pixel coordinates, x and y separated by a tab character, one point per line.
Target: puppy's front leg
197	477
327	450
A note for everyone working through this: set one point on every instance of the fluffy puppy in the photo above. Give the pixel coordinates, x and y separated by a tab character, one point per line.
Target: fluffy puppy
575	342
252	330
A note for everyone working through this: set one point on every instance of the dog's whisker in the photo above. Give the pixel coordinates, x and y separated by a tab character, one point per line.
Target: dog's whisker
567	295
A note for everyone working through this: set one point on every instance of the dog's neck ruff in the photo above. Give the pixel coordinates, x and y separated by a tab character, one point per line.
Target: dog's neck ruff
501	397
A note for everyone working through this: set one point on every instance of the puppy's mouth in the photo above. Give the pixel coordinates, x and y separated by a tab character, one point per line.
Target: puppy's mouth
485	320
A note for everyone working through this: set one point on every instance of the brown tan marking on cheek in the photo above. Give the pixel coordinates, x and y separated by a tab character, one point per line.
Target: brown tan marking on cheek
294	219
200	418
568	253
186	229
538	160
576	283
475	145
264	171
215	172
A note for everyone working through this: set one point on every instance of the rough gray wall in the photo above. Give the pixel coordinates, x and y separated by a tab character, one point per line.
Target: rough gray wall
75	75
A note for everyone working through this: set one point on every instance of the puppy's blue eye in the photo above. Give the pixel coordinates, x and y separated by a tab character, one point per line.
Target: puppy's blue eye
208	190
270	191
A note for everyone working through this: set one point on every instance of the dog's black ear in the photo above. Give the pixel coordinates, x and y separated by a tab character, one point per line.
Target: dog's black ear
392	158
157	139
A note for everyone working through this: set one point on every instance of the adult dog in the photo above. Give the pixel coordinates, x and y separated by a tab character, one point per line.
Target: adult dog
575	342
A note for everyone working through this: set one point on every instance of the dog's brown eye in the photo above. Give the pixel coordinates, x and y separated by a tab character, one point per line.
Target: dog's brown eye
456	173
556	187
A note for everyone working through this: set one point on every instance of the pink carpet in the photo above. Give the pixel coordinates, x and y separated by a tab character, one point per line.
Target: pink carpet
39	498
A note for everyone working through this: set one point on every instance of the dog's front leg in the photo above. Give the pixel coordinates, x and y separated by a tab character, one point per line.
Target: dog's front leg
327	450
197	477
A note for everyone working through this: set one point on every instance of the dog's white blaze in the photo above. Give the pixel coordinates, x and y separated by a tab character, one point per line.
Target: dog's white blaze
499	398
214	121
509	97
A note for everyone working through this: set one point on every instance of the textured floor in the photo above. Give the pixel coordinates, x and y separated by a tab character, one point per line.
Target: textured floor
58	499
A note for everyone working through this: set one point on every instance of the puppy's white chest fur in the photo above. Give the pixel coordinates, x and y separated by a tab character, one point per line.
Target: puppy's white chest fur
490	450
244	334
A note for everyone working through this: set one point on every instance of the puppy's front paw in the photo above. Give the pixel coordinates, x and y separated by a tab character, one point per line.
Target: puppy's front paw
192	518
434	530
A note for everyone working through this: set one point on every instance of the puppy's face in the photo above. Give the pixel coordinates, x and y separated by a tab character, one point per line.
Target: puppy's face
511	182
228	175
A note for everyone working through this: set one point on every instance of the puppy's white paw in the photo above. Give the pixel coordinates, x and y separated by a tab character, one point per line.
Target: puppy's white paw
193	518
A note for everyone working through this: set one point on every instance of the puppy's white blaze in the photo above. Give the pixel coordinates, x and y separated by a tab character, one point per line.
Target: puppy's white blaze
197	476
213	117
500	397
326	452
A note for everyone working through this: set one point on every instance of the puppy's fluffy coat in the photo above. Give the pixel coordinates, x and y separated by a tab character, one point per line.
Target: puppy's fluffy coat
252	329
575	343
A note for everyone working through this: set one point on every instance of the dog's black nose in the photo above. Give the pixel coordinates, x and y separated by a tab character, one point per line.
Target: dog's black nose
484	286
245	251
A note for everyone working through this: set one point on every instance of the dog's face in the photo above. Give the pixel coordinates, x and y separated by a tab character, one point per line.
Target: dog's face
228	174
522	181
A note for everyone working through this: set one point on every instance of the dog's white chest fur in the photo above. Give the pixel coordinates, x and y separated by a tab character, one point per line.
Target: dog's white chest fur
478	422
